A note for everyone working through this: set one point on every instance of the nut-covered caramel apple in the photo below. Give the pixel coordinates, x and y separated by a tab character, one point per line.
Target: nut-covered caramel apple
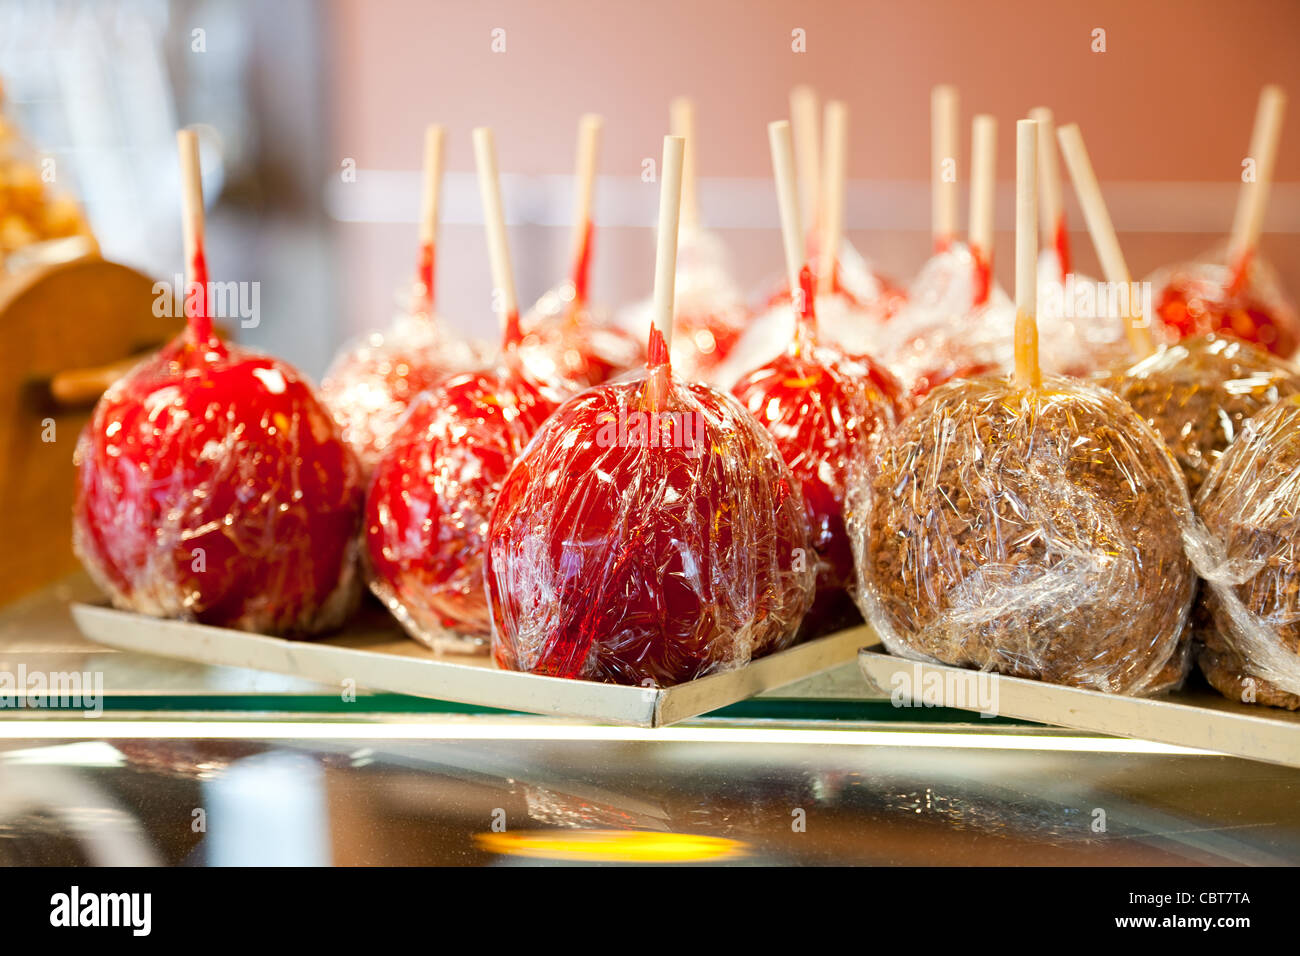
1250	504
1026	525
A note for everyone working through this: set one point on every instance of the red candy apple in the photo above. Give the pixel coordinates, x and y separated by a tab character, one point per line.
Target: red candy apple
1232	291
1203	299
650	532
566	341
213	486
711	311
825	409
373	382
371	385
432	491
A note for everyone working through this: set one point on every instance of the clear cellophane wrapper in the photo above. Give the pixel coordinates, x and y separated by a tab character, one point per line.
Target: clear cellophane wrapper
852	316
941	334
374	380
574	344
1032	532
945	286
770	333
1250	505
709	313
954	347
431	495
213	486
1199	393
1196	297
865	286
650	534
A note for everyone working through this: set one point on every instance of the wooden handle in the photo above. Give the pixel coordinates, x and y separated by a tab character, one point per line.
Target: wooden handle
983	183
1101	229
187	143
196	259
787	197
943	147
494	219
1051	204
1095	213
1252	201
805	126
834	170
670	201
682	120
589	129
434	136
1028	372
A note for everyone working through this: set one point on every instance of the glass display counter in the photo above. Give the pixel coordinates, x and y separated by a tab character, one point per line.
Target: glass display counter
188	764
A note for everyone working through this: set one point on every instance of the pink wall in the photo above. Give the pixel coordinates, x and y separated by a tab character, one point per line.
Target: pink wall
1171	100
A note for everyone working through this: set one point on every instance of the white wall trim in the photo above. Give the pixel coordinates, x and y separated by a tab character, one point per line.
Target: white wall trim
391	196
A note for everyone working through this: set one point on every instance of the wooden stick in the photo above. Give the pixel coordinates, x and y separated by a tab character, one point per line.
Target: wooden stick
191	197
589	128
834	168
1051	204
983	183
192	228
787	197
1028	372
1252	201
670	202
1102	231
683	127
494	220
805	125
943	147
434	136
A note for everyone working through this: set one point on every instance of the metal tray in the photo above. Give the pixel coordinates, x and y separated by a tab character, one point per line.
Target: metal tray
1197	717
383	659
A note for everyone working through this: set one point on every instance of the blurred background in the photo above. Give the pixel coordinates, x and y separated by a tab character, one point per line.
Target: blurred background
294	96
